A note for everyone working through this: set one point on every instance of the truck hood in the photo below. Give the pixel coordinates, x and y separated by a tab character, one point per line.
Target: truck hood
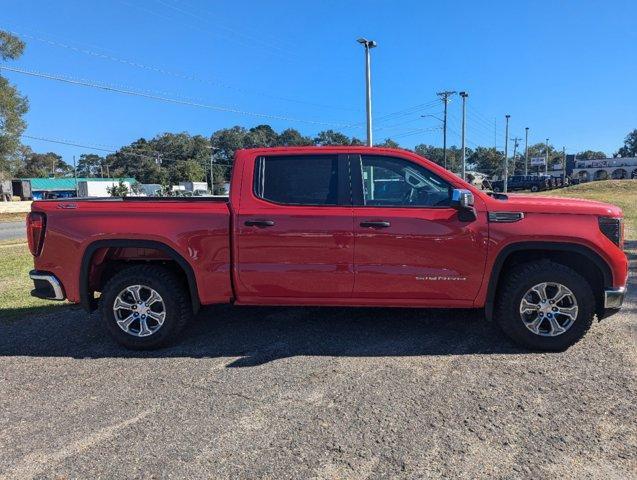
540	204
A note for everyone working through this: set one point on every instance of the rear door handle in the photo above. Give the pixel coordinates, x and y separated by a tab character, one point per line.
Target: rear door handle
259	223
376	224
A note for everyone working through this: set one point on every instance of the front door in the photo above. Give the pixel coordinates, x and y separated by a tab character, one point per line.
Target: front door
410	243
294	230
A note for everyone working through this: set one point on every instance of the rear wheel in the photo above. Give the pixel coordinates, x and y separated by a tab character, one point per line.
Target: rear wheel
144	307
534	188
545	306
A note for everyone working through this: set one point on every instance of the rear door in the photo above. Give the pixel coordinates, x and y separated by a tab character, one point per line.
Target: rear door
294	229
410	243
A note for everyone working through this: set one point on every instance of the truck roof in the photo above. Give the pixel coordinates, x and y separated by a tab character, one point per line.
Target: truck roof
326	149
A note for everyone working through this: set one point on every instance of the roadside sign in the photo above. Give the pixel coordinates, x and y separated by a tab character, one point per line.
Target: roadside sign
538	161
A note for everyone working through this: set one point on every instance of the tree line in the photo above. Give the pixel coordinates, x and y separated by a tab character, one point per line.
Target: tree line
169	158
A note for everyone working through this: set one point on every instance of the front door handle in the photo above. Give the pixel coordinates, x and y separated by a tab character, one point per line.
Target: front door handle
376	224
259	223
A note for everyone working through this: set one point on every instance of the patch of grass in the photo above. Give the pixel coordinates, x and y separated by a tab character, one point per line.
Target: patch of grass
13	241
13	217
622	193
15	284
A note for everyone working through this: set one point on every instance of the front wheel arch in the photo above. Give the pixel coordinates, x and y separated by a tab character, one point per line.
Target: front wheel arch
594	268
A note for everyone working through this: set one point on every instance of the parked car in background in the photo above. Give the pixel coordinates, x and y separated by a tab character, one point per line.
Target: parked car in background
339	226
552	181
522	182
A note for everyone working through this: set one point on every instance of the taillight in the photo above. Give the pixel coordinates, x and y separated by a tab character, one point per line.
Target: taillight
613	228
36	223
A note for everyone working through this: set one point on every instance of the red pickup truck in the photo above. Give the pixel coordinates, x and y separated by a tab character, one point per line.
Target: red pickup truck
345	226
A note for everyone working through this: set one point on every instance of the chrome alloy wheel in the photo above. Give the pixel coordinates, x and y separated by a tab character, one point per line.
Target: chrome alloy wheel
139	310
548	309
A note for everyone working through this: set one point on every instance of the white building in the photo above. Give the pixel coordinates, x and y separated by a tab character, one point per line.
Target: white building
605	168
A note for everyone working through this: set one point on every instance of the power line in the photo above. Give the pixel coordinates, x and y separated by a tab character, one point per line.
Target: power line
416	131
251	39
68	142
171	21
485	119
171	73
406	111
406	122
151	155
161	97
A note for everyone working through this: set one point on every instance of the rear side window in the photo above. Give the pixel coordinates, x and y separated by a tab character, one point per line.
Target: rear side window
297	179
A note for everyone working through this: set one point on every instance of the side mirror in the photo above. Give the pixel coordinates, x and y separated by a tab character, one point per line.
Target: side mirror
462	198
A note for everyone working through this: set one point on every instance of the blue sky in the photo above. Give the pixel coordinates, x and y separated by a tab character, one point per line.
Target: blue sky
566	69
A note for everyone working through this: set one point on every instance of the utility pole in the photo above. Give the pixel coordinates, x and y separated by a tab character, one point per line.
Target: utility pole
464	96
546	158
368	44
526	152
563	165
212	178
75	174
516	143
445	98
506	153
495	134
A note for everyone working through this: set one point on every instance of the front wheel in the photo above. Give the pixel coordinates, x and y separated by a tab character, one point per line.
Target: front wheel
545	306
144	307
534	188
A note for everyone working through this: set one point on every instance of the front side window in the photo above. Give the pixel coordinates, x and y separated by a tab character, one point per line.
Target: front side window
297	179
389	181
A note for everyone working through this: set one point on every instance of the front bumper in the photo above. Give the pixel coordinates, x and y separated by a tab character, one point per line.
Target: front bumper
47	286
614	298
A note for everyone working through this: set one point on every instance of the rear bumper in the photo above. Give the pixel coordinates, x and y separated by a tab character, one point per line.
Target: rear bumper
614	297
47	286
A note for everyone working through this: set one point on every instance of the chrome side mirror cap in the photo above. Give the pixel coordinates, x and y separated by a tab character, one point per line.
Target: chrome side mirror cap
462	198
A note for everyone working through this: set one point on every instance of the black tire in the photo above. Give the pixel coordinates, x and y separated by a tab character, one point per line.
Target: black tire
534	188
523	277
176	300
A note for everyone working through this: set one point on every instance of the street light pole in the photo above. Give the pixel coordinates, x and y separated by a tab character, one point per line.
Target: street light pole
506	154
526	152
368	44
464	96
546	158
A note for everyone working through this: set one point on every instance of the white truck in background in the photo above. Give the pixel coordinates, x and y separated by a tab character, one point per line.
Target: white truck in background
97	188
194	186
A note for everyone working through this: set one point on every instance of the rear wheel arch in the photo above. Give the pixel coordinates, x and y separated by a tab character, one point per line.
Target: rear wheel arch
86	294
560	252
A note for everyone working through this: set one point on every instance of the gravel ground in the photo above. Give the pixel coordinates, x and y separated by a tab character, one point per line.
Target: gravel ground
317	393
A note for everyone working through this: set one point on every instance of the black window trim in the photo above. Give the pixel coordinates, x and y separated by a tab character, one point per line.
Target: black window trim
343	189
358	200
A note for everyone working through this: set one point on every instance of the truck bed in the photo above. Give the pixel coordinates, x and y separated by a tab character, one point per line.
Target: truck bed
91	230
